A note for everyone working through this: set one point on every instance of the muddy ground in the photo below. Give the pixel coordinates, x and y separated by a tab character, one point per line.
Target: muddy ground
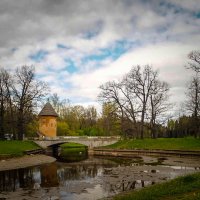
25	161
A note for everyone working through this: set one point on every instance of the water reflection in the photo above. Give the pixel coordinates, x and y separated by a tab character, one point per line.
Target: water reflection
78	172
124	186
11	180
74	154
49	176
93	178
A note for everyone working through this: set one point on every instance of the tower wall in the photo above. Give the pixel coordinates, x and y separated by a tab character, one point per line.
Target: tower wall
48	126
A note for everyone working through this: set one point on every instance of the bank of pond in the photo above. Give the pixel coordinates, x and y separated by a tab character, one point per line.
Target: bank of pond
18	148
15	148
102	177
181	188
77	175
187	143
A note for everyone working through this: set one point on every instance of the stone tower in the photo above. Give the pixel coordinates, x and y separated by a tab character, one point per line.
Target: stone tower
48	121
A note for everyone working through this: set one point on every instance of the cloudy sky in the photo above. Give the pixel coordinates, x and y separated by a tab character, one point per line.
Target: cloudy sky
76	45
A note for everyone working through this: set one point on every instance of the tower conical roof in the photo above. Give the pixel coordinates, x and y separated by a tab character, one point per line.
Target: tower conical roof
48	110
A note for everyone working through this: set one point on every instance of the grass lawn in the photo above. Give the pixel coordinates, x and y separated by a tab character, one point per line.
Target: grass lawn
72	148
16	148
160	143
182	188
72	145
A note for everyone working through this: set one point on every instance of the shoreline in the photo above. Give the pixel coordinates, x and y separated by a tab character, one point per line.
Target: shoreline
25	161
133	152
12	163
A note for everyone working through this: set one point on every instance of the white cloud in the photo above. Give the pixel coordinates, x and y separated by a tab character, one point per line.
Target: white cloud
163	34
190	5
168	58
151	20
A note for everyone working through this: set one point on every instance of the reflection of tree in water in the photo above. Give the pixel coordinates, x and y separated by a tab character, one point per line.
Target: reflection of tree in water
13	179
49	176
124	185
77	172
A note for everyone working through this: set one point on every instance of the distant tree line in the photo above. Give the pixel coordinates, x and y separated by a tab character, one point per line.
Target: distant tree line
141	103
136	106
79	120
189	122
181	127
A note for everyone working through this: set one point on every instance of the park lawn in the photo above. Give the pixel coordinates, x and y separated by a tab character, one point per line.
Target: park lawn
181	188
16	148
188	143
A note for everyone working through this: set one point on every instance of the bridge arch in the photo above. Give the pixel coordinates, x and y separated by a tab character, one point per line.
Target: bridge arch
90	142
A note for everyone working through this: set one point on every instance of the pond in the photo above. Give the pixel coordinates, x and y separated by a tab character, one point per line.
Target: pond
93	178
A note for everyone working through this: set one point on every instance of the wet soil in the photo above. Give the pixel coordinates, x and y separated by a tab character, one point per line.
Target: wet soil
25	161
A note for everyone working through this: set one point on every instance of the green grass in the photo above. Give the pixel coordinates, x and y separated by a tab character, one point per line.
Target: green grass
72	145
160	143
73	152
16	148
72	148
182	188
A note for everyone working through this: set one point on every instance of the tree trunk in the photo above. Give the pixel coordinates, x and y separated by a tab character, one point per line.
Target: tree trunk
2	121
142	126
153	130
20	125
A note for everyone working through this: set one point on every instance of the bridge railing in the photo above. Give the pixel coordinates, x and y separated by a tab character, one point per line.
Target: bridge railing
75	137
89	137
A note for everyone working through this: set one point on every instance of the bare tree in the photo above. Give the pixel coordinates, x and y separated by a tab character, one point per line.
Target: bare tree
194	63
61	106
120	95
90	117
159	104
141	83
110	120
27	92
110	93
139	90
193	90
5	97
131	107
193	102
56	102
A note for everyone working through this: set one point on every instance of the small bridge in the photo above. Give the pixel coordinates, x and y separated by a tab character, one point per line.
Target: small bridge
91	142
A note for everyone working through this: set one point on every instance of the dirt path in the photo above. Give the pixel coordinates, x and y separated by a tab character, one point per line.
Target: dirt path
25	161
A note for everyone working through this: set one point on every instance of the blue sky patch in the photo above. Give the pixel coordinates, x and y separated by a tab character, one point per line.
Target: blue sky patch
113	52
121	47
38	56
197	15
70	66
